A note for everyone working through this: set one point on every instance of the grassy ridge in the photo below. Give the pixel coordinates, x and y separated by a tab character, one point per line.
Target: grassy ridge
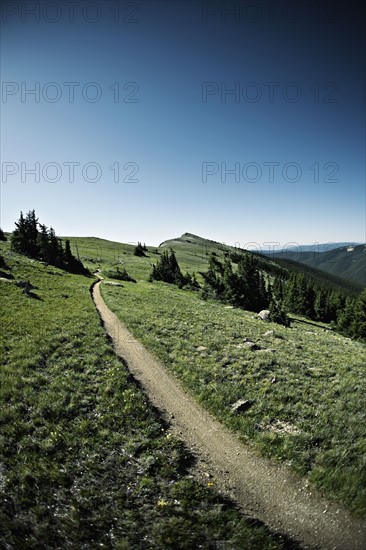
307	385
193	254
85	461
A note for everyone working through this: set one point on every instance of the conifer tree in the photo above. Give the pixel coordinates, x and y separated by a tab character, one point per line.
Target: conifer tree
25	236
321	309
139	250
167	269
278	314
358	326
352	320
43	245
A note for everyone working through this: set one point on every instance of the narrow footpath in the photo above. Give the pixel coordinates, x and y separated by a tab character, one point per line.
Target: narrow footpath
262	489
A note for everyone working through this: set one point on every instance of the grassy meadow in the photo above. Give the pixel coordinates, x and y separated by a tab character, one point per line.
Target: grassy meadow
306	385
86	461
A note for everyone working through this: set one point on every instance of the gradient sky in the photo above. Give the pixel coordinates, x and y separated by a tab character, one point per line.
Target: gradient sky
180	132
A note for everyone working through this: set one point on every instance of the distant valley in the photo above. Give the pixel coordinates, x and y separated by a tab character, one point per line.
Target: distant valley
347	261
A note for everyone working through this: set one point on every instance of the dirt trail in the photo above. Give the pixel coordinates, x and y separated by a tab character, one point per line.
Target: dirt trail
262	489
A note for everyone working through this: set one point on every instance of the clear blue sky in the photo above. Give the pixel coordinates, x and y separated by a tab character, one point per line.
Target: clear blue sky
293	131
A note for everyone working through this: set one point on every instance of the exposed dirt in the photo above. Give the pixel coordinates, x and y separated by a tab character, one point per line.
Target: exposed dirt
262	489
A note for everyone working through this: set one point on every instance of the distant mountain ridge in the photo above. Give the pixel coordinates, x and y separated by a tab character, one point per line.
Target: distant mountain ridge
193	244
348	261
318	247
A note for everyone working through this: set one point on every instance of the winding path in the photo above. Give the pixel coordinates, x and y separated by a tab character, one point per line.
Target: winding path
262	489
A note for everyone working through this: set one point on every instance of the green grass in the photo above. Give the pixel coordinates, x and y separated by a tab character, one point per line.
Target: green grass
85	460
307	385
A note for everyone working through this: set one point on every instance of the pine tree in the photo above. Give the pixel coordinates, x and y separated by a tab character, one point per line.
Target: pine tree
296	299
358	326
250	285
278	314
2	235
32	233
68	255
336	305
278	289
308	308
18	236
264	293
139	250
352	320
25	236
246	288
191	281
69	261
43	244
55	249
321	309
345	317
213	285
167	269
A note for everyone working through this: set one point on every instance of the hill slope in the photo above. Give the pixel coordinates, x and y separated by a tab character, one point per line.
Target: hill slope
348	262
196	250
319	247
305	385
86	461
193	254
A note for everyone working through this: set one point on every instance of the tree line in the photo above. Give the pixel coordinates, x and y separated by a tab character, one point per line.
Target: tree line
255	285
36	241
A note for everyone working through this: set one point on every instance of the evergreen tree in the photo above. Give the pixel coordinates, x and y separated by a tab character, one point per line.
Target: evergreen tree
25	236
167	269
265	292
32	233
352	320
278	289
18	236
249	284
358	326
345	317
245	288
298	297
139	250
191	281
308	308
336	305
55	251
2	235
68	255
214	285
43	245
278	314
321	307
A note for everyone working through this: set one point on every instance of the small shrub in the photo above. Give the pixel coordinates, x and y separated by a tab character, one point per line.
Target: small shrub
120	275
278	315
139	250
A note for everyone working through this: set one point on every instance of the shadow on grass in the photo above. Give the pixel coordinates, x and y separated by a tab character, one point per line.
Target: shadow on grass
34	296
292	320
